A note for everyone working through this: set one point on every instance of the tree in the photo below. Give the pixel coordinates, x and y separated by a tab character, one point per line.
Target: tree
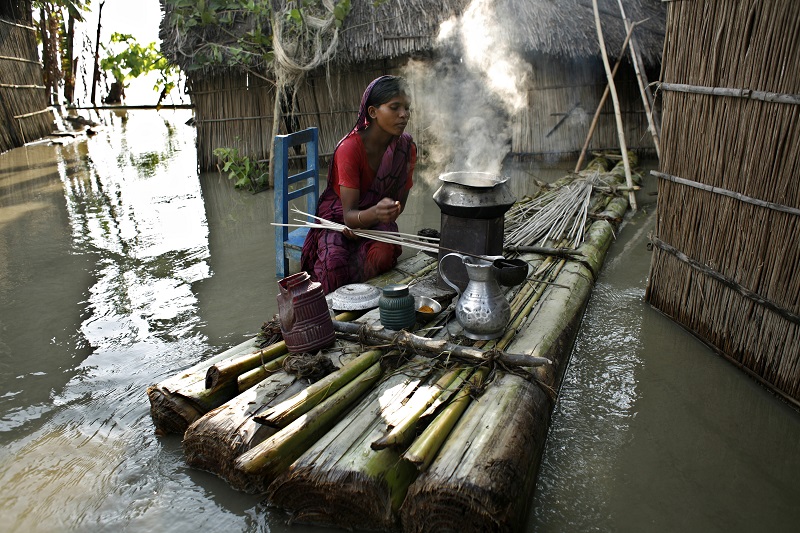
126	59
279	42
58	59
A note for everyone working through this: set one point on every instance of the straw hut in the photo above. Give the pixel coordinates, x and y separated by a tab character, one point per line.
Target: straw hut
23	105
726	261
557	41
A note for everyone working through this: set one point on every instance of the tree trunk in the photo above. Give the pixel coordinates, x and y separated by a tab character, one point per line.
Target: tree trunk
96	71
70	63
276	120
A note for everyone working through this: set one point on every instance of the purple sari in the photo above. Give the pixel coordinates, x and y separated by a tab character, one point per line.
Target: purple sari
328	256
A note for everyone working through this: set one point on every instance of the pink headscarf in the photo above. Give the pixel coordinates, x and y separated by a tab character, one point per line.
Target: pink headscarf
394	164
363	119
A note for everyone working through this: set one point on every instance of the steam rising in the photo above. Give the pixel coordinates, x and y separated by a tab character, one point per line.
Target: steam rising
470	91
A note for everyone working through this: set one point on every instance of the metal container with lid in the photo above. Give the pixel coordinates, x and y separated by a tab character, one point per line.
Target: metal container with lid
473	195
397	307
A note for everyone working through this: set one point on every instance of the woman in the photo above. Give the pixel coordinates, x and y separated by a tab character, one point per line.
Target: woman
368	182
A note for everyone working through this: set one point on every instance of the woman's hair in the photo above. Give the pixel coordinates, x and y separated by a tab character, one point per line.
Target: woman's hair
385	89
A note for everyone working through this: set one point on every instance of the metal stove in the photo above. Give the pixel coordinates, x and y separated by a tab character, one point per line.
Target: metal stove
473	205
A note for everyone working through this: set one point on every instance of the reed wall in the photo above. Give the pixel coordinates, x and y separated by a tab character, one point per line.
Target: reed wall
23	104
562	98
236	110
726	261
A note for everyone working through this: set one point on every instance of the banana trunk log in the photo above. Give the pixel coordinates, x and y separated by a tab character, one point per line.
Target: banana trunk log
341	481
178	401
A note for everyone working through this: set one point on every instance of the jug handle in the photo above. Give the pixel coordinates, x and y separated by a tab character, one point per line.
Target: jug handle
441	272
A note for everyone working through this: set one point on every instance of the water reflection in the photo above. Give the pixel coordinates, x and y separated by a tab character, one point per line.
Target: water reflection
108	241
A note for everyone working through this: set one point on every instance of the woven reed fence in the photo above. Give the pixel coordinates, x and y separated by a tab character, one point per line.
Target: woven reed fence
726	261
23	105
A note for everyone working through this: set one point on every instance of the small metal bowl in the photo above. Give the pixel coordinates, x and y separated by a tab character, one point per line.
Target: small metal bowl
510	272
423	301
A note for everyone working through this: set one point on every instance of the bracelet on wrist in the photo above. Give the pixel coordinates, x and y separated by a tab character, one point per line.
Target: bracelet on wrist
358	216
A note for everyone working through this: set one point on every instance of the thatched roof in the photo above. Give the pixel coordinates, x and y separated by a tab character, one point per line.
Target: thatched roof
17	10
562	28
398	28
566	28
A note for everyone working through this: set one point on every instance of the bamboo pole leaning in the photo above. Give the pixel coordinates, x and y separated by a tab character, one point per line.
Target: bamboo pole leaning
644	87
615	99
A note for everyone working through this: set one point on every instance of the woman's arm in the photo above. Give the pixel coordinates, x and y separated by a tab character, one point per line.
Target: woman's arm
387	210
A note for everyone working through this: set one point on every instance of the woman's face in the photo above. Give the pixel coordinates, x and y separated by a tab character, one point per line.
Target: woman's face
392	116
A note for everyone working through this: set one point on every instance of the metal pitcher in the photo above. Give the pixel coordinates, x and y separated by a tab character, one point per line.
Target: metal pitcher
482	309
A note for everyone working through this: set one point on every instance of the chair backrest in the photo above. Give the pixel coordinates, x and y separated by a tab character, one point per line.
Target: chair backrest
284	192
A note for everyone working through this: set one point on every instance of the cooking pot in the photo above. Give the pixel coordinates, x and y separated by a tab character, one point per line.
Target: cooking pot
473	195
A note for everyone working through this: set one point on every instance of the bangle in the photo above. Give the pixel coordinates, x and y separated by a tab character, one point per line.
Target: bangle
358	216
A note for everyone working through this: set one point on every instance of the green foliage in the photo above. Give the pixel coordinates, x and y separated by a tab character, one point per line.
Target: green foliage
74	7
246	173
125	58
251	48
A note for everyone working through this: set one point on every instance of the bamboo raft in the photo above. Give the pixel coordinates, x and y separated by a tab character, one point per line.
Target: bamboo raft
404	435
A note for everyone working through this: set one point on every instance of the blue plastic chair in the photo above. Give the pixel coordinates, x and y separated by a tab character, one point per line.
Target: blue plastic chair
288	244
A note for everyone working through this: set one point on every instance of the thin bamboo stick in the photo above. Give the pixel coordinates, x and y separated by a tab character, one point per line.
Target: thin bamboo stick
615	99
644	87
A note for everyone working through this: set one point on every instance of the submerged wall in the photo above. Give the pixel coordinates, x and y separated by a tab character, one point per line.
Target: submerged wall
23	105
726	255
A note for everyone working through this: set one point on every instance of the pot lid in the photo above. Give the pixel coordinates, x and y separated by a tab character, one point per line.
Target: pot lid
394	290
354	297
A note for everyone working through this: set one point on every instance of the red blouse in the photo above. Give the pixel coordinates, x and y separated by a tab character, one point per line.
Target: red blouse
351	169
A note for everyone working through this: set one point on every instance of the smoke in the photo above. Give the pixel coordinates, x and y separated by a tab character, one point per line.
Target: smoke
469	92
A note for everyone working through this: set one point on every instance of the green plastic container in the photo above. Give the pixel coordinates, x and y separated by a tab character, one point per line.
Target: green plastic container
396	307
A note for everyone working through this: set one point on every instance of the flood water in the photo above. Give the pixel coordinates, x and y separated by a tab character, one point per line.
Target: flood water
120	265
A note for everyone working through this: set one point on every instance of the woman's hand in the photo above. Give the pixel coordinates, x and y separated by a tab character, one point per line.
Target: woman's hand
348	233
387	210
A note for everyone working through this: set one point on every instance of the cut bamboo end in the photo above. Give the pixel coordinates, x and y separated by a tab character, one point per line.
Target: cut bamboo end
276	453
289	410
